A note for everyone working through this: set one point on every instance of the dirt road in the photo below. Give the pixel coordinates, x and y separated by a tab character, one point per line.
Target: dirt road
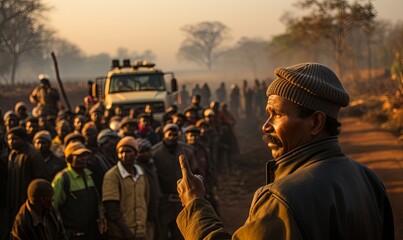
379	150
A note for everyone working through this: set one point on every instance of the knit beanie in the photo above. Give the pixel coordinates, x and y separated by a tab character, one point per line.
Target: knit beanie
8	114
104	134
128	141
87	126
128	120
73	137
311	85
143	145
63	124
170	126
192	129
18	105
114	123
18	131
44	135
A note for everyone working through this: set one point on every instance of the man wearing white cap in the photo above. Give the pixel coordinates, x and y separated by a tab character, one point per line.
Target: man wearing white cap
46	97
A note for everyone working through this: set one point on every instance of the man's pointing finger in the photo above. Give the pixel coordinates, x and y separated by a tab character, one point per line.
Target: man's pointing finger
186	171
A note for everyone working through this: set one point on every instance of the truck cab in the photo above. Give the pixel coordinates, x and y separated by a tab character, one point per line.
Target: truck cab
135	86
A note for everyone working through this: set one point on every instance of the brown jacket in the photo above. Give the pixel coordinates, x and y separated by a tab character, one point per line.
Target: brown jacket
28	225
314	192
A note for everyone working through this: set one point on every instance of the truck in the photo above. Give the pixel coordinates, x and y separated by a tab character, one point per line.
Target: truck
135	86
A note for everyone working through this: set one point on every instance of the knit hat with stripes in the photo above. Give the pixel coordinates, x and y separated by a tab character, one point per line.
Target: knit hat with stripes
311	85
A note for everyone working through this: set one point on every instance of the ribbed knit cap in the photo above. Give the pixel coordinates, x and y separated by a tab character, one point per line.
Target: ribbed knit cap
73	137
104	134
143	145
128	141
44	135
18	105
170	126
311	85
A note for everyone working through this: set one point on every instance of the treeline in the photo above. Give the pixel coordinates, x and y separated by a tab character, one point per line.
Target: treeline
345	35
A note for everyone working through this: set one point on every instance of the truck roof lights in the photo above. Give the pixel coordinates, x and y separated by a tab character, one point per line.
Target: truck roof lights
126	63
144	64
135	66
115	63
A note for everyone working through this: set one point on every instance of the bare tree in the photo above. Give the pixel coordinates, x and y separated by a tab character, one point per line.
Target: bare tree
333	20
248	53
10	9
21	36
365	15
202	41
21	30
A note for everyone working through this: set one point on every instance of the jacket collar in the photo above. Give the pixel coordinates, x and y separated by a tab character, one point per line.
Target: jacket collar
36	219
124	173
75	175
24	148
301	157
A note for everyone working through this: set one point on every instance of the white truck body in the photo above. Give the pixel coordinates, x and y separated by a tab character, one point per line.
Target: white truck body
139	85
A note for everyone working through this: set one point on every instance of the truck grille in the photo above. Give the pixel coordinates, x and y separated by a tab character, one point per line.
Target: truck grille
158	107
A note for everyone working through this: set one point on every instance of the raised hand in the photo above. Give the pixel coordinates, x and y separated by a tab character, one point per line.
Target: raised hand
189	186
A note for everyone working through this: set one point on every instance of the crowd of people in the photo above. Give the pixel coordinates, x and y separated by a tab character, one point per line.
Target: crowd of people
96	173
119	173
240	101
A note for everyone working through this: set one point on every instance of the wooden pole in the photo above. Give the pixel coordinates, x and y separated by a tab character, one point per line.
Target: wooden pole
59	81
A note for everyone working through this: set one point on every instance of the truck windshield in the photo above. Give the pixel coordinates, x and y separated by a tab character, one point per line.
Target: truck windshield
135	83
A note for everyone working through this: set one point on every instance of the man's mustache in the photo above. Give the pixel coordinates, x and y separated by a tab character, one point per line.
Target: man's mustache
269	138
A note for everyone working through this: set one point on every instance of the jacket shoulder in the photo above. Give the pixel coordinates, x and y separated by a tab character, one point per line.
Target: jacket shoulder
112	172
22	220
185	146
158	146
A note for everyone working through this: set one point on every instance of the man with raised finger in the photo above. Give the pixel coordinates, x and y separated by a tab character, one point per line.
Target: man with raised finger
314	191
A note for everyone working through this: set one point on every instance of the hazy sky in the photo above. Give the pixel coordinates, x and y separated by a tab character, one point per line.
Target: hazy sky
104	25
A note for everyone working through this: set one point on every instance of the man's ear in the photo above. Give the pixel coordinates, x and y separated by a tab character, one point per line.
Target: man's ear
318	122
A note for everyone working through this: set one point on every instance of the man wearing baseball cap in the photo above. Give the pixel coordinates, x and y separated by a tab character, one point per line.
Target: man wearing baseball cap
313	191
75	198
